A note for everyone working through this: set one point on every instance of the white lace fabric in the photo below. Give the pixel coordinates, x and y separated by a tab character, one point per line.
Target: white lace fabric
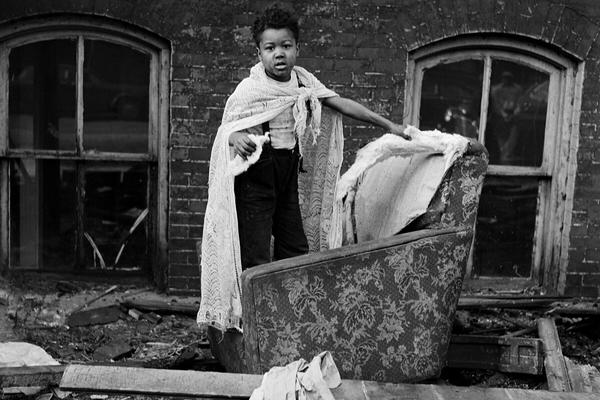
320	139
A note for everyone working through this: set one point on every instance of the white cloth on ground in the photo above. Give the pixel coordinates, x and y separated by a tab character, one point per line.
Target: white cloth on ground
257	100
392	182
21	354
300	380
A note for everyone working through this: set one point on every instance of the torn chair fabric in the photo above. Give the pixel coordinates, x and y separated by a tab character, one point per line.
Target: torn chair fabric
391	183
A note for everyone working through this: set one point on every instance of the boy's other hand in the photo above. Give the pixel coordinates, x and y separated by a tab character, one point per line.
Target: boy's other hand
399	130
242	144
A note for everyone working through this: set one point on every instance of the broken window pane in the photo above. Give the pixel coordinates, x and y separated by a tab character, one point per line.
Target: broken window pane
42	213
115	98
115	217
42	96
451	97
517	114
505	226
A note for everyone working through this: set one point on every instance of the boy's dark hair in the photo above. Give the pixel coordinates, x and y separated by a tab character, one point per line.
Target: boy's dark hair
275	18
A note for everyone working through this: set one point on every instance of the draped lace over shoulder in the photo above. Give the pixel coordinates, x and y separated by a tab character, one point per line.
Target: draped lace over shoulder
320	137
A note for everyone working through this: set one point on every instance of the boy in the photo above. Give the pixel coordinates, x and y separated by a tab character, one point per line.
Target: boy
285	101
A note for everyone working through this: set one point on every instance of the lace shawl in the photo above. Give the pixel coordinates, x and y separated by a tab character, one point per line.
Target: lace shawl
254	101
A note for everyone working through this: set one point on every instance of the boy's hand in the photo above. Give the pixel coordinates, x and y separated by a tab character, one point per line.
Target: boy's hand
399	130
242	144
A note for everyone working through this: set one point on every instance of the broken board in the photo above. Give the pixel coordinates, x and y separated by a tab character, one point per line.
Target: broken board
42	375
95	316
162	382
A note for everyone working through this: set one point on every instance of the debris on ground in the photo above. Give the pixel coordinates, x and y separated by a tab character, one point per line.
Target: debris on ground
133	325
85	322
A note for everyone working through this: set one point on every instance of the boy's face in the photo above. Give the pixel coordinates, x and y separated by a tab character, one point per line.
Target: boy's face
277	51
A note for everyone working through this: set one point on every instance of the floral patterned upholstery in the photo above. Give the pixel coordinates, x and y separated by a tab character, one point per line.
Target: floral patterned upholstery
383	308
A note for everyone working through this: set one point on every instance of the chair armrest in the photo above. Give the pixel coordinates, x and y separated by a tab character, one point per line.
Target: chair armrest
326	255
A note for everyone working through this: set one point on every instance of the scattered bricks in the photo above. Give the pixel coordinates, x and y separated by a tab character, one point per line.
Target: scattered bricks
113	351
152	317
135	314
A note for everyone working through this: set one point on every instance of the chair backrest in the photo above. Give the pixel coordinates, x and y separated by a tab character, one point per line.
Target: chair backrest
403	194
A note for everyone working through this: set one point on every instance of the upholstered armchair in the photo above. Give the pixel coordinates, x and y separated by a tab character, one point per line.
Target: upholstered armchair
384	308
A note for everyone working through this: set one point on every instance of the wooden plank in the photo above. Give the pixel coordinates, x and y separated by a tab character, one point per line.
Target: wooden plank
160	306
162	210
46	375
554	362
128	380
580	382
79	96
479	302
577	312
569	166
485	98
594	377
90	155
499	353
4	164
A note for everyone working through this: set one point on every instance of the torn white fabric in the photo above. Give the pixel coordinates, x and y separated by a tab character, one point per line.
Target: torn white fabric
21	354
392	182
300	380
239	165
257	100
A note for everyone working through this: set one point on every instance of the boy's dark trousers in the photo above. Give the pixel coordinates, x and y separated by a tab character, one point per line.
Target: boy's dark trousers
266	199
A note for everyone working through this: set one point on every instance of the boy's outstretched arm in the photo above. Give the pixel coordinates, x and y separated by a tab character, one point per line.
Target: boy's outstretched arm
357	111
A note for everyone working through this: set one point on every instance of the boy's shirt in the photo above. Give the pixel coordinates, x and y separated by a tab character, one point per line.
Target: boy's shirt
320	139
281	127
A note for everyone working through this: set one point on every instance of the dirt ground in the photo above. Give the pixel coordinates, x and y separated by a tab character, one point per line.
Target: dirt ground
35	309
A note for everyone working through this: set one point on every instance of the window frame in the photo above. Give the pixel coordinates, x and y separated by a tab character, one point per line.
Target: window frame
556	174
95	28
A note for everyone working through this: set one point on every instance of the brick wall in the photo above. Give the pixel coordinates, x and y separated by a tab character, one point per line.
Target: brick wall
358	48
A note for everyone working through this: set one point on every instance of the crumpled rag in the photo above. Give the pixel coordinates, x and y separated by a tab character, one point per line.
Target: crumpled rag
300	380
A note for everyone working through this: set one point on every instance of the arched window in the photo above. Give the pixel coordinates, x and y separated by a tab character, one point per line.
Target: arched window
82	131
518	101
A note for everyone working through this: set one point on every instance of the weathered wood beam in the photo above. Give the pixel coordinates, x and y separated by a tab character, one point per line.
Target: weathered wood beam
124	380
482	302
46	375
556	368
161	306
